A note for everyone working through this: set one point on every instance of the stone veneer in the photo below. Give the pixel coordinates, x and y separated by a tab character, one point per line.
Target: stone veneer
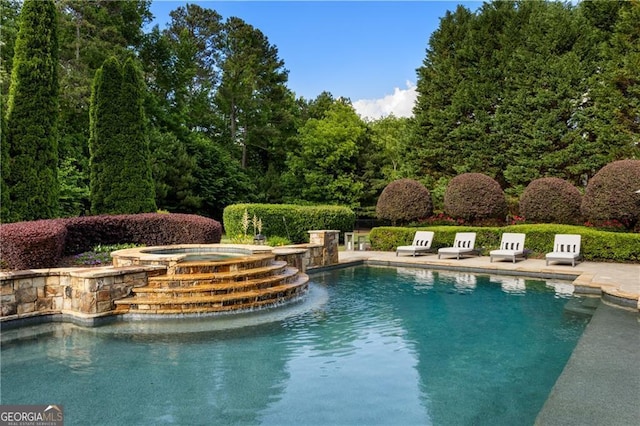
90	292
85	292
328	241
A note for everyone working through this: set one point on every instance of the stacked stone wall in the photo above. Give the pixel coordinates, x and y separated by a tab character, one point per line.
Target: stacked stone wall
90	291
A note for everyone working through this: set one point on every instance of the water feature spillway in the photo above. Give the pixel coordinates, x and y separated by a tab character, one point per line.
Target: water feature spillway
210	279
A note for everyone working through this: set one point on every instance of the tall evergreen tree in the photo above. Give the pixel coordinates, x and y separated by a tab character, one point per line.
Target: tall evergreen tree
32	112
90	32
4	169
522	90
121	180
252	95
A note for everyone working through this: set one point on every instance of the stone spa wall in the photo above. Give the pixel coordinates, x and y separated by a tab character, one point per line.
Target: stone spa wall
84	294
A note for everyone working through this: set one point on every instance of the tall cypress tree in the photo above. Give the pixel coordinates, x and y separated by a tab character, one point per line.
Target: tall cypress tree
120	164
4	170
32	111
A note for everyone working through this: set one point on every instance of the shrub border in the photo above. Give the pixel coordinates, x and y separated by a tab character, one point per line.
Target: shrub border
596	245
43	243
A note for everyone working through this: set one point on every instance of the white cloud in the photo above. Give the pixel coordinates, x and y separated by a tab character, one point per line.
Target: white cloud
400	104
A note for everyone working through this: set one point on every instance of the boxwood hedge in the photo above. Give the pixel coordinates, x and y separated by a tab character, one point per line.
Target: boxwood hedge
288	220
596	245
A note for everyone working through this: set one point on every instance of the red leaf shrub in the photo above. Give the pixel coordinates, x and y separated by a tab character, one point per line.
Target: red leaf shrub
611	194
151	229
475	197
551	200
32	245
41	244
404	200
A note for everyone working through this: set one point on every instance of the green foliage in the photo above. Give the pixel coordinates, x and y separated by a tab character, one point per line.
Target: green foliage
288	221
74	190
551	200
277	241
101	254
220	180
121	178
610	194
323	169
253	95
173	173
404	200
9	23
392	138
4	170
89	33
475	197
524	90
596	245
32	115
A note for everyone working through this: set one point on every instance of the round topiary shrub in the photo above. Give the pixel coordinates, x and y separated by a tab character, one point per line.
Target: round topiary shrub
475	197
551	200
404	200
611	194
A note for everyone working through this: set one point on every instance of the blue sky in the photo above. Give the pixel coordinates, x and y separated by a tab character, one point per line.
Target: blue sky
365	51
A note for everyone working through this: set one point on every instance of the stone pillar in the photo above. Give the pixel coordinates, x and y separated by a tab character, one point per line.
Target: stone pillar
329	242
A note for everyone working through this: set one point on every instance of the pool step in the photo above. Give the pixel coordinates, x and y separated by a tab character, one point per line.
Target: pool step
207	285
226	265
245	286
582	306
184	279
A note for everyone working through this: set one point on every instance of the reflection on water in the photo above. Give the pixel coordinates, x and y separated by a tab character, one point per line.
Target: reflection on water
370	346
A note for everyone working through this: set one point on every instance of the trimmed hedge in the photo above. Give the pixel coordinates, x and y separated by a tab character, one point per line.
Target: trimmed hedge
610	194
288	220
596	245
404	200
551	200
475	197
42	244
32	245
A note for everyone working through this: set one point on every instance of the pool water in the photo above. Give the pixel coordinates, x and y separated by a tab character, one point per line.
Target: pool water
371	346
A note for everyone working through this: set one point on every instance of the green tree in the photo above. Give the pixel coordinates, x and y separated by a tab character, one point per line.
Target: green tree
392	138
4	170
9	25
220	179
440	78
607	115
173	173
32	112
182	63
324	169
253	96
90	32
523	90
121	178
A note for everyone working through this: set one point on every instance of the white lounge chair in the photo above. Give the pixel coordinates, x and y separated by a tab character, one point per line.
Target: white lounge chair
511	247
421	243
566	249
463	243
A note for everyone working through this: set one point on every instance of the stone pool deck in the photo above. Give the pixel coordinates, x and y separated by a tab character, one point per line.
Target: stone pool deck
600	385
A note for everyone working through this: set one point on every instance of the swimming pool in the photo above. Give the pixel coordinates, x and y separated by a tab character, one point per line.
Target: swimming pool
370	346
